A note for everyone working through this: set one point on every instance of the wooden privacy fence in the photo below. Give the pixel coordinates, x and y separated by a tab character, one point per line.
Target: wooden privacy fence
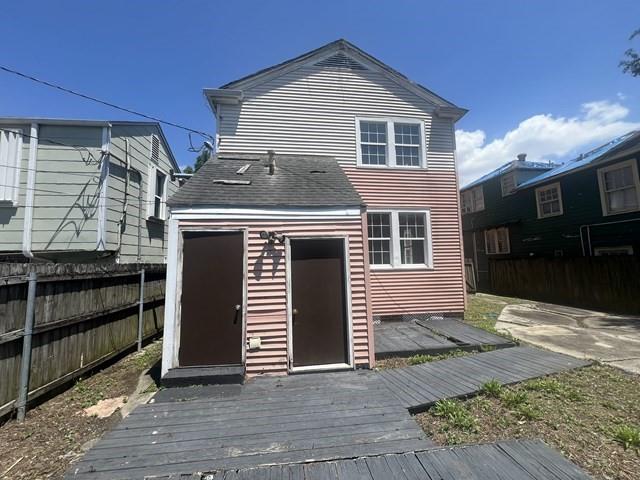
84	315
602	283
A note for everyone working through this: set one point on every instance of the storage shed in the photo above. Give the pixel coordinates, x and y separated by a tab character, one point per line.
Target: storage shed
266	270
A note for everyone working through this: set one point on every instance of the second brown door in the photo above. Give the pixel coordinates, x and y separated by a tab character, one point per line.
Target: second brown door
318	302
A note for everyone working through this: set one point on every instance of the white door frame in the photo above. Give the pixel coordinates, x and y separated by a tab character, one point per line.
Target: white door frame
347	276
171	344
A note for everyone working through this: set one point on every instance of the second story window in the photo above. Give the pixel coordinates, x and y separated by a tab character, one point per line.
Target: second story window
549	200
472	200
157	184
159	199
10	156
619	188
383	142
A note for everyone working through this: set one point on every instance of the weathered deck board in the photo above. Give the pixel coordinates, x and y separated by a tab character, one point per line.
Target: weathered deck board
513	460
282	420
420	386
435	336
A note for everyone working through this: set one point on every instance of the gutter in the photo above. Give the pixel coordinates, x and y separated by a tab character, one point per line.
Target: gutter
30	193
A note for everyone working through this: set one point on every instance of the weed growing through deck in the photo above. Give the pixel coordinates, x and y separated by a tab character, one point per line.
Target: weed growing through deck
628	436
492	388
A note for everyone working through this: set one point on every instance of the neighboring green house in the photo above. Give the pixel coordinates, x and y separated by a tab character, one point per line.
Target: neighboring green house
587	206
84	191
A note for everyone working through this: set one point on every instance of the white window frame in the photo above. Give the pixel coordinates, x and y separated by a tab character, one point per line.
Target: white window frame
151	193
471	204
511	174
10	184
389	238
603	194
391	142
491	238
599	251
539	202
396	256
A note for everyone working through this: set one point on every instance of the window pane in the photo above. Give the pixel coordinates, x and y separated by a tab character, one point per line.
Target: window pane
374	154
379	225
411	225
408	156
373	132
624	199
619	178
380	252
159	184
412	252
407	133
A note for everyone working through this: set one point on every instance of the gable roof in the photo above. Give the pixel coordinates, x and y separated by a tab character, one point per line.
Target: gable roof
617	147
347	49
92	123
299	181
508	167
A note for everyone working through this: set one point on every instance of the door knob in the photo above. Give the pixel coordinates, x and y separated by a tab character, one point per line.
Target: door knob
295	311
238	307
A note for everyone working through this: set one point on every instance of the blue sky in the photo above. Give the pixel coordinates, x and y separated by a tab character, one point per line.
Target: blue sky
529	72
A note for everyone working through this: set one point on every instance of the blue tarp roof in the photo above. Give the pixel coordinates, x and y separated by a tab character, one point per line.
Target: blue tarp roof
549	170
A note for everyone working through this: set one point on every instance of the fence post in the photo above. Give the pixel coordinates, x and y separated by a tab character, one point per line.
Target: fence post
141	310
25	367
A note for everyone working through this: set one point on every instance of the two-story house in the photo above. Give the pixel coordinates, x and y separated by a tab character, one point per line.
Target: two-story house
588	206
84	191
332	201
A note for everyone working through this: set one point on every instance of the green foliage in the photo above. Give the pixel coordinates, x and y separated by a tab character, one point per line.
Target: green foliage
513	398
549	385
444	408
631	63
628	436
188	169
529	412
456	414
418	359
492	388
202	159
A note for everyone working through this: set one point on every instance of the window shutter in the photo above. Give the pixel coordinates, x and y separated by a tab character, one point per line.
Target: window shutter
151	190
10	156
155	148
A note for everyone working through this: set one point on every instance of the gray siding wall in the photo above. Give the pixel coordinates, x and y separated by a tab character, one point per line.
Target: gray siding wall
12	217
153	233
312	110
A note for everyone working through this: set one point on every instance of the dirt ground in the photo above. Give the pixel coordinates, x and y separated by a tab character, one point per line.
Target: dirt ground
54	433
578	412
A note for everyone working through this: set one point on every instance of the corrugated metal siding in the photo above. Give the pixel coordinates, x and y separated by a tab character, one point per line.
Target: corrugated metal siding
266	288
313	110
417	291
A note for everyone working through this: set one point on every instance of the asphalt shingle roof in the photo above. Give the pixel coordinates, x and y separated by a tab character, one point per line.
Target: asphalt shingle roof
299	181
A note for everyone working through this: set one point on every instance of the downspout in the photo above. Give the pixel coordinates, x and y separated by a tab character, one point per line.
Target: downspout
30	192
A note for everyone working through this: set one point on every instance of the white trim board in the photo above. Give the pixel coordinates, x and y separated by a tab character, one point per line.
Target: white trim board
259	213
101	233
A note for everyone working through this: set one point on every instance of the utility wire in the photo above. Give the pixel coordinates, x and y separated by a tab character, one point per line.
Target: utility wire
103	102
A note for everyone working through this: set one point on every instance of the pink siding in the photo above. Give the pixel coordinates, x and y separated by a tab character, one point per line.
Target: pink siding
417	291
266	288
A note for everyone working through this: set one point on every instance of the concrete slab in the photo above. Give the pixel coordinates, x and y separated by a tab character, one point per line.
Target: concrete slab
611	339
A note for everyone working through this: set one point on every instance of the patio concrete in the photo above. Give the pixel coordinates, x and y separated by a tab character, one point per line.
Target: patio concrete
610	339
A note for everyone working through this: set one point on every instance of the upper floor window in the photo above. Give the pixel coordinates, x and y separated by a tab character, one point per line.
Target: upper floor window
497	240
157	185
10	156
390	143
472	200
508	183
549	200
619	188
399	239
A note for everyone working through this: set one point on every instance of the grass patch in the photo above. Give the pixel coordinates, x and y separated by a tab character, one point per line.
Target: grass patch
483	311
590	414
492	388
397	362
455	414
628	436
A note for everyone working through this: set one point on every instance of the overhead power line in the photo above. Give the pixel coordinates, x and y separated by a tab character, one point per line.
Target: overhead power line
103	102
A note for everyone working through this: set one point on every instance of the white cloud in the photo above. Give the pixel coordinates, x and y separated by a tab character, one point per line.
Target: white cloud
542	137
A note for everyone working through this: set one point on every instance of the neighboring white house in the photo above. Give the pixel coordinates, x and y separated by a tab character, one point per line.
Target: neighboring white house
84	191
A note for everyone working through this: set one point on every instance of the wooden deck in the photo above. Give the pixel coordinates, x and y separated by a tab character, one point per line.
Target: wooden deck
432	337
268	420
302	419
420	386
513	460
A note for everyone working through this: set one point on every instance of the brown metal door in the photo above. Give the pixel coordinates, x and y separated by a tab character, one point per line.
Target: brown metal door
212	284
319	306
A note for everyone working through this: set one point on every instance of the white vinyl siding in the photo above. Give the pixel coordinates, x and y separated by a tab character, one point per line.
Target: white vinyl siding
497	241
472	200
400	239
549	200
312	111
508	183
389	142
619	188
10	158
